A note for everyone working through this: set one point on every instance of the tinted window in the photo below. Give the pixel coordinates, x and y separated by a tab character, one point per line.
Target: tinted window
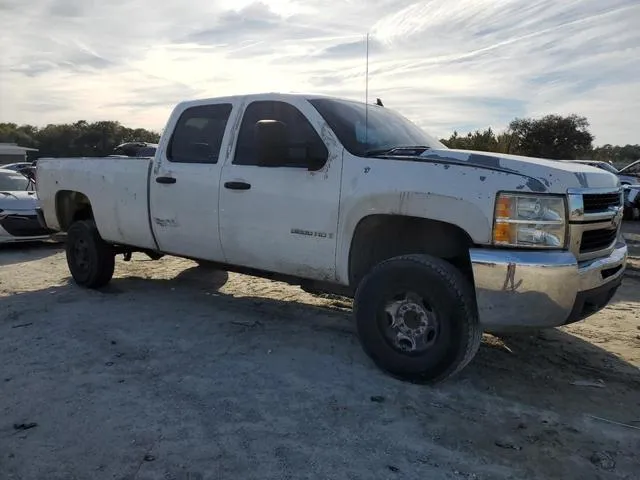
146	152
302	139
134	149
362	130
197	137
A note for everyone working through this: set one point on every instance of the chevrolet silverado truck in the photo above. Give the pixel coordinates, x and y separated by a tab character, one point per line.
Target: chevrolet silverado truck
434	245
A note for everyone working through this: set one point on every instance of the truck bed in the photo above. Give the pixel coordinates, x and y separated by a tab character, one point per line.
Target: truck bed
116	187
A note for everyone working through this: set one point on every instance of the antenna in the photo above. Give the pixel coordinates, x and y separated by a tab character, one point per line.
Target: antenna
366	97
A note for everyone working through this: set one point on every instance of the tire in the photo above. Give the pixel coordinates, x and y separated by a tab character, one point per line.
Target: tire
154	255
441	295
90	259
206	265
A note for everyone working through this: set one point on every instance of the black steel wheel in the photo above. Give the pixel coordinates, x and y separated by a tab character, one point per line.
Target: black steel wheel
90	259
416	318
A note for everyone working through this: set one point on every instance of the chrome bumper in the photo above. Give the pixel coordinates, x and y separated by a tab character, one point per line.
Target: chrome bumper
542	289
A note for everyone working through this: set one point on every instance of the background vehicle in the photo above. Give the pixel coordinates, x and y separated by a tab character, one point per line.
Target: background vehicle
18	203
135	149
624	179
435	245
631	202
16	166
631	171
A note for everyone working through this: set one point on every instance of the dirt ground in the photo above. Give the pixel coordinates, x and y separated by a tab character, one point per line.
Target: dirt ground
177	372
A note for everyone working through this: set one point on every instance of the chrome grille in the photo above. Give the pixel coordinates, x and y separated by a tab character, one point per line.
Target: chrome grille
594	240
595	217
594	203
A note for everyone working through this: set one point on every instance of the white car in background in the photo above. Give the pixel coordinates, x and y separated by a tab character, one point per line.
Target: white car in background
16	167
18	203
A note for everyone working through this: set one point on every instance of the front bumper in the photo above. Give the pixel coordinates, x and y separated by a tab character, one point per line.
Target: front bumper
542	289
22	224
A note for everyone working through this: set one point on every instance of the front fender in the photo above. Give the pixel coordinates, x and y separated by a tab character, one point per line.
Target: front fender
456	211
460	195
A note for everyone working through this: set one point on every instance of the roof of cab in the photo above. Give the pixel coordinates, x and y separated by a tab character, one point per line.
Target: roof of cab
253	96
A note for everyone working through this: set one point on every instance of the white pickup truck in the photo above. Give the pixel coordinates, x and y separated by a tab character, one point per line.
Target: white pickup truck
434	245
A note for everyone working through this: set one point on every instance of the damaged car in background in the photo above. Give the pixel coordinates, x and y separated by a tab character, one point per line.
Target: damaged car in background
626	177
18	203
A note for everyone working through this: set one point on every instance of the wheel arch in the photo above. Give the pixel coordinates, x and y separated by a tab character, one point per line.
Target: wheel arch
72	206
471	219
379	237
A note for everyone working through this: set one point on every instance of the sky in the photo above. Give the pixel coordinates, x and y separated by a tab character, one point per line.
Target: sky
445	64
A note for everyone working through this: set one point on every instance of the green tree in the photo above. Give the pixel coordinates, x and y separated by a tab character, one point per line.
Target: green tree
485	141
620	155
552	136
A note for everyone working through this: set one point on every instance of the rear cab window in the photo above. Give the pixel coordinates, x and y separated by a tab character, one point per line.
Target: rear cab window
198	134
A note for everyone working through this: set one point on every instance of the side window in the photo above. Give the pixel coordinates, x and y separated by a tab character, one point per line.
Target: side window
198	134
302	142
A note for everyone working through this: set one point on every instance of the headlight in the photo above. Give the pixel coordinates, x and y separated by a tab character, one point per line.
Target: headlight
529	221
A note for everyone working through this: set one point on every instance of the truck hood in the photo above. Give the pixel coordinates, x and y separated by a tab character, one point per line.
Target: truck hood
541	175
18	200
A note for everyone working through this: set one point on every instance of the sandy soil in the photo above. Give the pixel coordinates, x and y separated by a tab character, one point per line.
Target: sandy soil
178	372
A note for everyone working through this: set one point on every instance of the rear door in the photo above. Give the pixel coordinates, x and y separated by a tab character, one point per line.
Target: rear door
283	218
185	179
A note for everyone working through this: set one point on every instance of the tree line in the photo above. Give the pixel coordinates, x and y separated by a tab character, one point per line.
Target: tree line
74	139
552	136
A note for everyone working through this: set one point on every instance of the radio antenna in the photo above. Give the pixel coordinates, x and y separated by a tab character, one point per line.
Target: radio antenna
366	97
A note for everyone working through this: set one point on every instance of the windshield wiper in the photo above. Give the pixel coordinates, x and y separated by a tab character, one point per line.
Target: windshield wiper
377	151
404	150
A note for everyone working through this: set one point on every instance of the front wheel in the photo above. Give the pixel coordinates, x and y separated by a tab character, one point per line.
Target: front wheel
416	318
90	259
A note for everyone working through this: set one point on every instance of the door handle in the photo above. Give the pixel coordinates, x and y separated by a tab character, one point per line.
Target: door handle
165	180
237	185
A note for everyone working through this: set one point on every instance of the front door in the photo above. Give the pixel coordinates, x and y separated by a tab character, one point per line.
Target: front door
185	179
283	218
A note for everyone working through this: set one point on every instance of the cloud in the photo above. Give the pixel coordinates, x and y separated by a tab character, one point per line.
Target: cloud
446	64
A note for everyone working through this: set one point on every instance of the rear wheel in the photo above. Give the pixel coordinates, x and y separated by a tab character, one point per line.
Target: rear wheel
90	259
416	318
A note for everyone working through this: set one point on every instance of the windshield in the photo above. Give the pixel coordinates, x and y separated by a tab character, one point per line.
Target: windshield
607	167
386	128
12	182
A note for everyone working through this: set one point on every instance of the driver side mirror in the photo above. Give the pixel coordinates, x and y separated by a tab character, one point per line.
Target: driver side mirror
276	149
272	140
316	156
